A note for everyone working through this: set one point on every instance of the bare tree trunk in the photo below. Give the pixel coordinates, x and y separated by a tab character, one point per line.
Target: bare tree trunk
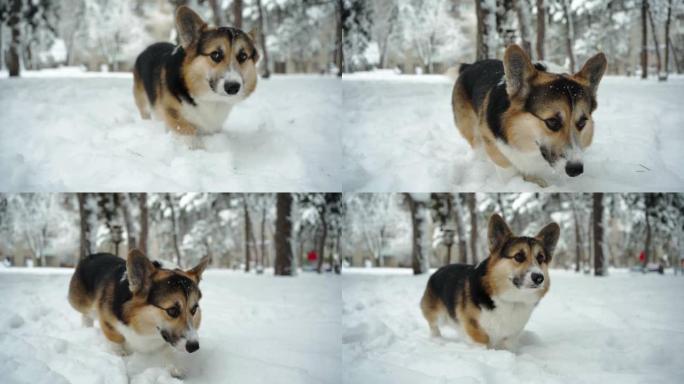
394	13
598	234
657	45
522	9
14	23
237	14
84	213
541	28
216	12
484	30
339	55
674	56
321	245
263	236
142	241
460	229
283	235
262	41
174	230
578	237
416	235
470	199
667	40
128	220
649	204
248	230
644	39
569	34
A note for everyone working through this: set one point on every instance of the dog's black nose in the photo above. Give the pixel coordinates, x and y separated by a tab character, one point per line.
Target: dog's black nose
538	278
574	169
231	87
192	346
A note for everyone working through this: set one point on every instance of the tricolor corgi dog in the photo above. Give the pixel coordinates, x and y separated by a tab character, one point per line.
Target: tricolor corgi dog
526	119
140	306
192	87
491	302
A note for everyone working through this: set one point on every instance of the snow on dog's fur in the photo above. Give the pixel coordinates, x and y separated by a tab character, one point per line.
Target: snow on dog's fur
194	86
528	119
492	302
140	306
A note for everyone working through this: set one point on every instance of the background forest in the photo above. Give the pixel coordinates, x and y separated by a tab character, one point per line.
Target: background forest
640	37
296	36
329	231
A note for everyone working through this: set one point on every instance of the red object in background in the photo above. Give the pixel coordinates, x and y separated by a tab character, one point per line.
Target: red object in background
642	256
312	256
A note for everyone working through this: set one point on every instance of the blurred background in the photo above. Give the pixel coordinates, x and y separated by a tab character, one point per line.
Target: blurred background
640	37
327	232
295	36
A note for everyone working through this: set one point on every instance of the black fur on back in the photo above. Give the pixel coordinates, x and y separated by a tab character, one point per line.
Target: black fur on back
447	283
100	267
149	66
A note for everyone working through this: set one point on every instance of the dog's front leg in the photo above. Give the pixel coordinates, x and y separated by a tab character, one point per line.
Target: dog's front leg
536	179
184	128
171	362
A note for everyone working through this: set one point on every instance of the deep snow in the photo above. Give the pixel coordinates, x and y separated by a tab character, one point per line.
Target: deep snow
255	329
624	328
65	130
400	135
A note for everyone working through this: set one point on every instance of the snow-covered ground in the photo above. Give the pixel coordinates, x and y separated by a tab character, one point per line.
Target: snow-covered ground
255	329
65	130
400	135
624	328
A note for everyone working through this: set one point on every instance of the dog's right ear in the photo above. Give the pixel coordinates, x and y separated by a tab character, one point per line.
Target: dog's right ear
498	232
189	25
518	70
139	269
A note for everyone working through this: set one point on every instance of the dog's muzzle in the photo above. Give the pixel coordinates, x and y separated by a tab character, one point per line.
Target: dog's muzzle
192	346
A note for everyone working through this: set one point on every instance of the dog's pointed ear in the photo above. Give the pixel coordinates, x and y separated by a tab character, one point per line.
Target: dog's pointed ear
190	26
518	70
498	232
593	70
196	272
549	237
254	34
139	270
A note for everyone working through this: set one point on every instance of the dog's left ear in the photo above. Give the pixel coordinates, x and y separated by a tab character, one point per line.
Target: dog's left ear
190	26
254	36
593	70
549	237
196	272
498	232
139	270
518	70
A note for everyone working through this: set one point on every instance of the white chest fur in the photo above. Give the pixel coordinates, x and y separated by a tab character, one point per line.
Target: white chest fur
208	116
506	320
140	343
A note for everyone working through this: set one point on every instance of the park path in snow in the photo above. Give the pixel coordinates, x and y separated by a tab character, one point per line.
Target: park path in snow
66	130
400	136
255	329
624	328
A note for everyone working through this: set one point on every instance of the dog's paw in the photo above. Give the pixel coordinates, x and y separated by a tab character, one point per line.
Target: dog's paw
119	349
537	180
194	142
176	372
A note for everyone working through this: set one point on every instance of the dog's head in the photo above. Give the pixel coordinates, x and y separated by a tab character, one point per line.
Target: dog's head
551	113
517	268
220	63
165	301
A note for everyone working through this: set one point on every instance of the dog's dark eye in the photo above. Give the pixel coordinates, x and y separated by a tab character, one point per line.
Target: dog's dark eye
540	258
194	309
241	57
217	56
519	257
173	312
581	123
554	124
